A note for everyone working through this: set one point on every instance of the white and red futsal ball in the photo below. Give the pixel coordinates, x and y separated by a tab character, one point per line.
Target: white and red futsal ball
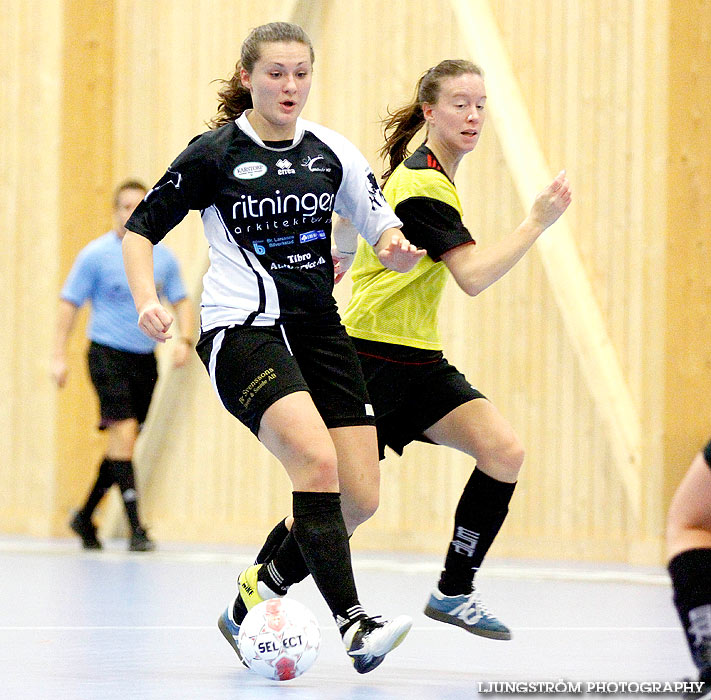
279	639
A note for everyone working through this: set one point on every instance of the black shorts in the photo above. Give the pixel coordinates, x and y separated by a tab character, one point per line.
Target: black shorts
124	382
252	367
410	390
707	453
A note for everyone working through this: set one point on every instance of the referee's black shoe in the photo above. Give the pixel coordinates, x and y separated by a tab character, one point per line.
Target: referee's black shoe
83	527
140	542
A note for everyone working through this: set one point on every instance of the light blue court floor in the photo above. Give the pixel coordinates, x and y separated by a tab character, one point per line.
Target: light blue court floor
115	625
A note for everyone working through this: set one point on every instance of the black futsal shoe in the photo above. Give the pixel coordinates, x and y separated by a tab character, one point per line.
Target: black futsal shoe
368	640
83	527
140	541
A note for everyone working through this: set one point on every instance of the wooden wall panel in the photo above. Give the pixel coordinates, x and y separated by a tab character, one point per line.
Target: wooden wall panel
56	188
85	212
553	478
622	266
510	341
30	98
9	188
538	386
597	79
688	245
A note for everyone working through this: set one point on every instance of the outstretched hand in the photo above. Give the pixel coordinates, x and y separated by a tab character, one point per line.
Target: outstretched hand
155	320
552	201
399	254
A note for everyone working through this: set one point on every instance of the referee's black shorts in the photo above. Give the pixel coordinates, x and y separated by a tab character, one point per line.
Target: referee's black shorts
252	367
124	382
410	390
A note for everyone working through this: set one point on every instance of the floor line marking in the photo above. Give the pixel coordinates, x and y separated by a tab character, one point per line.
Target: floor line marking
361	561
200	628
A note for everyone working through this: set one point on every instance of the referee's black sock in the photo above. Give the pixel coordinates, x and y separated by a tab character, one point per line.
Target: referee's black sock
320	531
104	481
481	512
124	477
690	572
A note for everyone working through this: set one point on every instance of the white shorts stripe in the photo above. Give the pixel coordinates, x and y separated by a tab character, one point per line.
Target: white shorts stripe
216	345
286	340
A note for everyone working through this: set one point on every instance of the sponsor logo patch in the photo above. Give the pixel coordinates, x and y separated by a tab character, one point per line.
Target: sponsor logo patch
249	171
313	164
284	167
311	236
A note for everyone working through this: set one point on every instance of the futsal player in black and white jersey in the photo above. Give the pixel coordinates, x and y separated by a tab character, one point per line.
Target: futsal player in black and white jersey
689	562
267	184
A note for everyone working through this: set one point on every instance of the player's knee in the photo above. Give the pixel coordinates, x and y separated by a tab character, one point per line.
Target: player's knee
677	531
510	456
368	509
678	522
320	470
362	509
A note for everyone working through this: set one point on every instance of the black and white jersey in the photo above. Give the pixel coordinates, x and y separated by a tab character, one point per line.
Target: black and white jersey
267	214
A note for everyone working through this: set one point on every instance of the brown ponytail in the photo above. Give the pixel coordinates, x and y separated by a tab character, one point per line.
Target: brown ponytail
399	129
401	126
233	97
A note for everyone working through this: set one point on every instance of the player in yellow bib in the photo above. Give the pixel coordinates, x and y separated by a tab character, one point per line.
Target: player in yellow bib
392	318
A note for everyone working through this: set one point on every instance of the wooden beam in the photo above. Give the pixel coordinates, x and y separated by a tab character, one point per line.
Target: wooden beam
84	188
566	274
687	371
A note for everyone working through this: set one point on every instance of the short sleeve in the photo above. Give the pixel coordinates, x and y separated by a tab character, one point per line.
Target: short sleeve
189	183
360	199
433	225
81	279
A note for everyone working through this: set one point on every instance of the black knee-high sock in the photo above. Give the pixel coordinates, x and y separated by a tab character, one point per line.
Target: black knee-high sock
690	573
480	514
285	568
321	534
273	542
124	477
104	481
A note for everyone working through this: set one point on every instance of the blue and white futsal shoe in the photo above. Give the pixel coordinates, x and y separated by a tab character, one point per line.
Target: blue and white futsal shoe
467	612
230	627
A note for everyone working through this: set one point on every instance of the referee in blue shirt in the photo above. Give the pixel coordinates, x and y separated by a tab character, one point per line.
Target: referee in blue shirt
122	362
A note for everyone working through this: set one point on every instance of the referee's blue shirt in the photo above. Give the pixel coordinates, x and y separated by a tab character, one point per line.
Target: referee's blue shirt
98	276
